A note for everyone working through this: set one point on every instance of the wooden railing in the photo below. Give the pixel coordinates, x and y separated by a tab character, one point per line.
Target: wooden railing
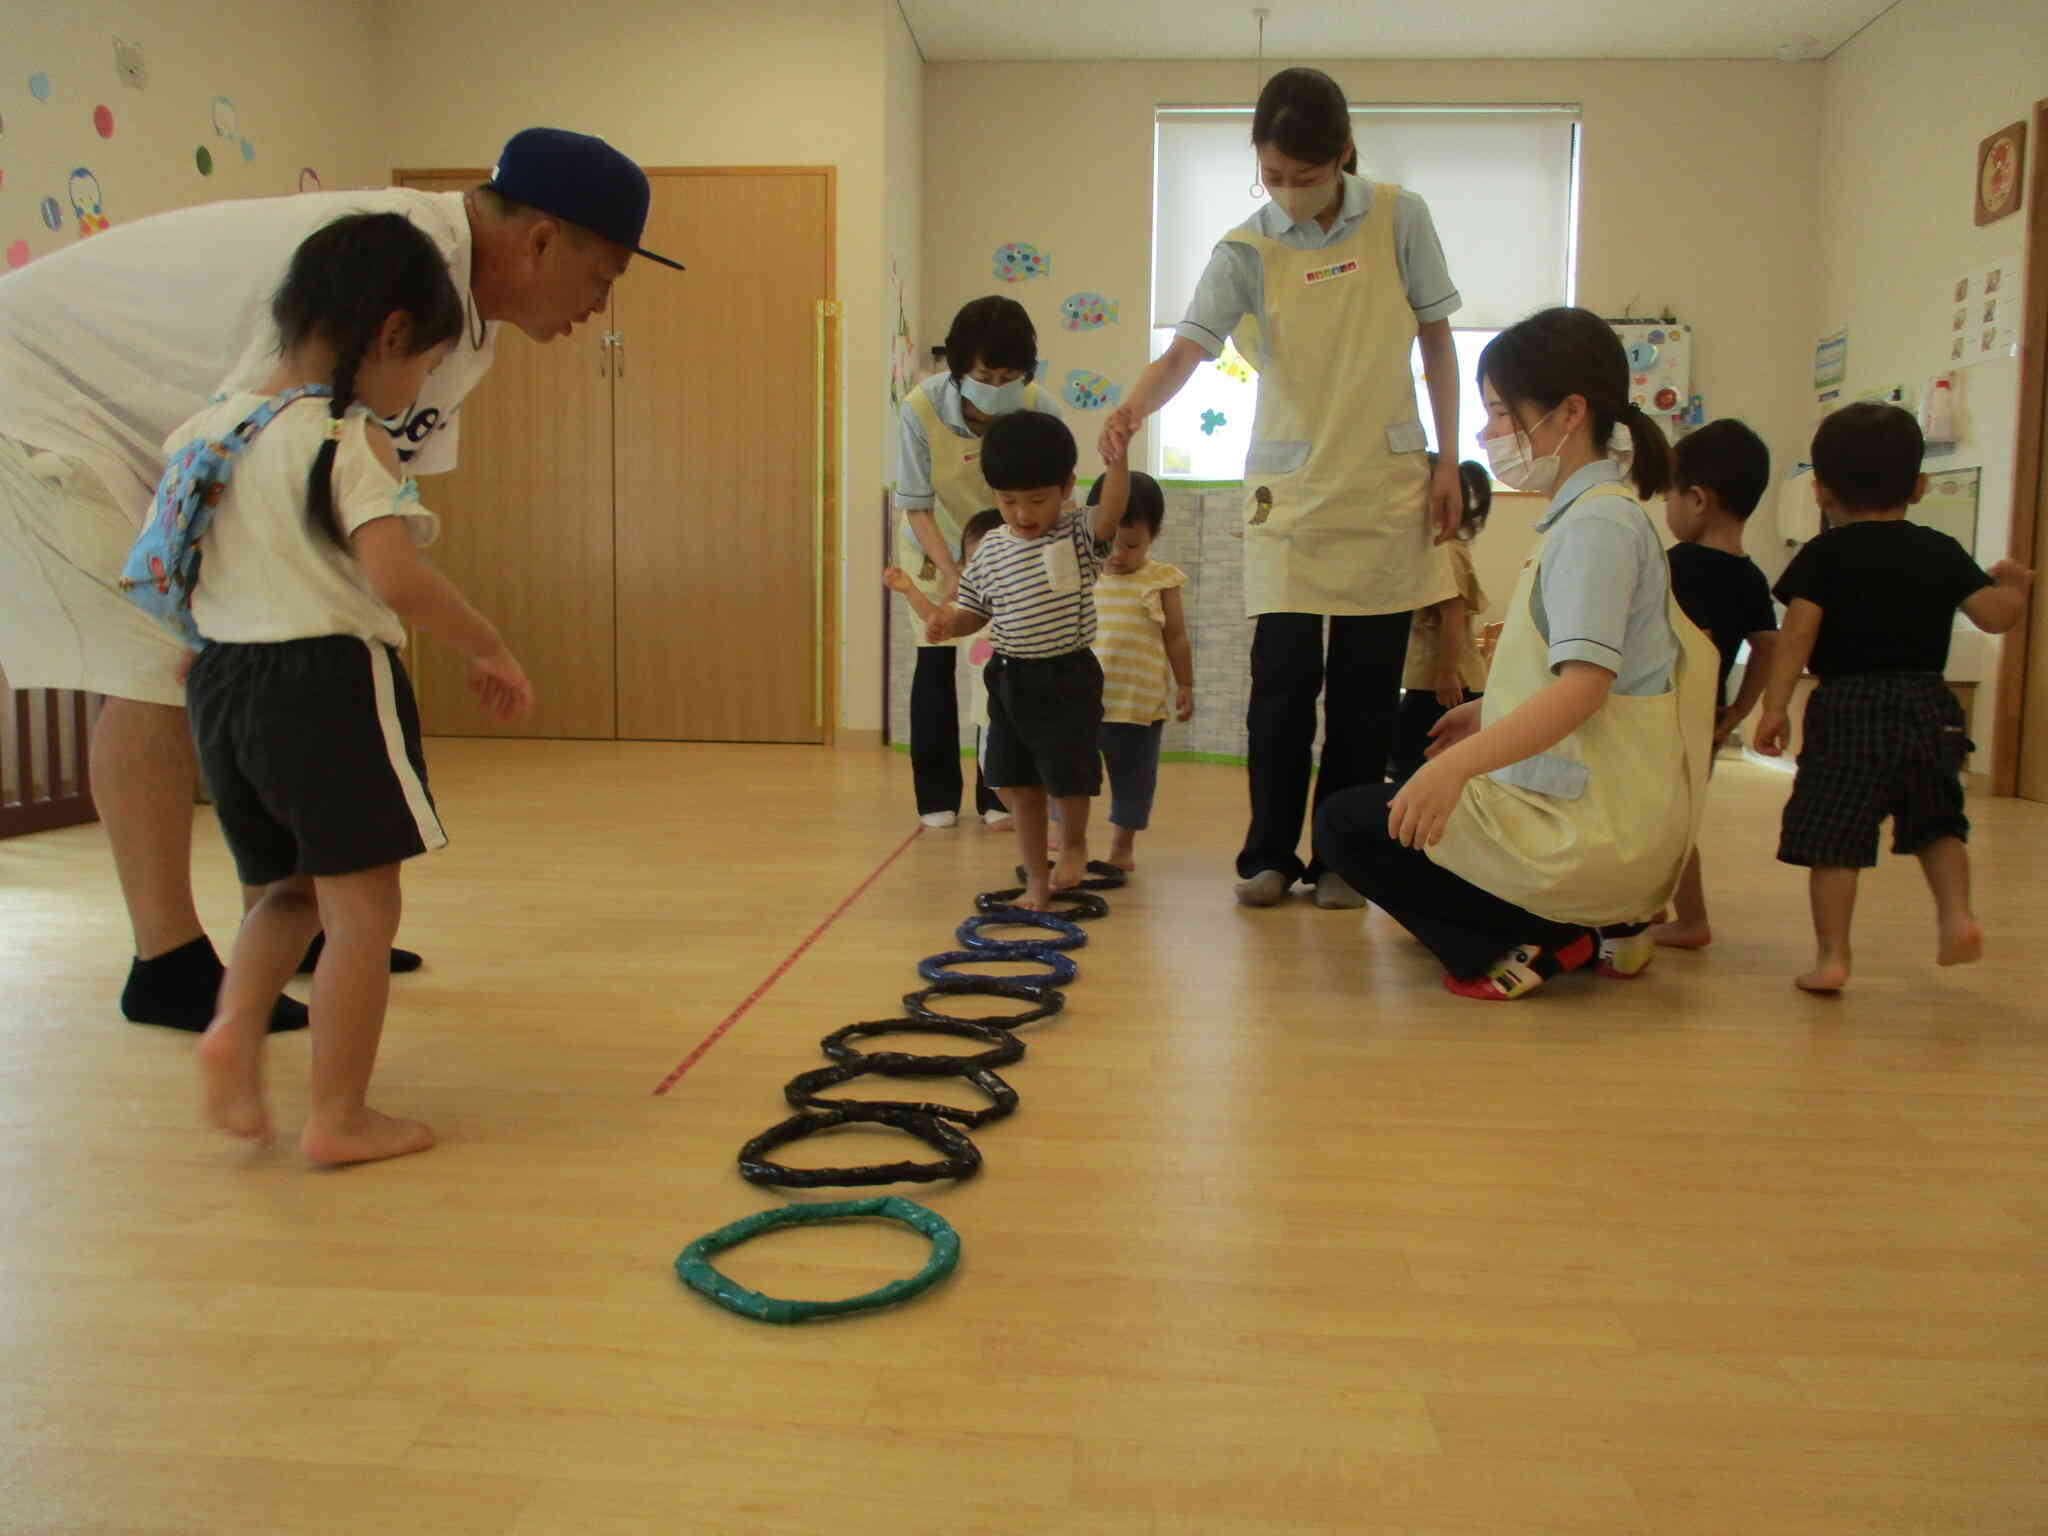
45	775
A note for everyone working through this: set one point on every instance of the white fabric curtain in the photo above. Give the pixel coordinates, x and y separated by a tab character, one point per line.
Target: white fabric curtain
1498	181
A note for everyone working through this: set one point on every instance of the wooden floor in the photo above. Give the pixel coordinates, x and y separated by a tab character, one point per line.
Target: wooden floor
1282	1240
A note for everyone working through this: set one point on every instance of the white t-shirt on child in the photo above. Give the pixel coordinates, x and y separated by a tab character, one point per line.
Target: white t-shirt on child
265	572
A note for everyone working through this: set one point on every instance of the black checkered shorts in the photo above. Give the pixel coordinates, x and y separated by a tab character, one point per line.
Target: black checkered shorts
1876	746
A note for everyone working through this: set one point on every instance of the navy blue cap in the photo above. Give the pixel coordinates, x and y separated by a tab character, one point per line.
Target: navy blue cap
578	177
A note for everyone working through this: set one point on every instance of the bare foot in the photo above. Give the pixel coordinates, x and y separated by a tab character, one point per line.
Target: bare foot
231	1083
1037	895
1071	869
1962	943
363	1138
1123	853
1830	973
1683	935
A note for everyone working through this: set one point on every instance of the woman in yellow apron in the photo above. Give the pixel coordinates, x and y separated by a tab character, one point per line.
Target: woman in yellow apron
1555	815
1324	291
991	356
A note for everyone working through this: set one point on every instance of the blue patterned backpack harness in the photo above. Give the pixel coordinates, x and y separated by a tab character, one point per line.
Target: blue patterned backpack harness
162	569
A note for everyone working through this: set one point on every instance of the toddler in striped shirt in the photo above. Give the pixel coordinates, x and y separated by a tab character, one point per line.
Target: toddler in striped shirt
1031	580
1141	639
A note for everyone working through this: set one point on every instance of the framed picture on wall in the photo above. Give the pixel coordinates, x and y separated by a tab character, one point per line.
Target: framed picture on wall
2001	159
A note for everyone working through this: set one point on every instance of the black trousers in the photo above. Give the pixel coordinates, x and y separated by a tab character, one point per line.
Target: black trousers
1359	684
1419	711
1467	928
935	736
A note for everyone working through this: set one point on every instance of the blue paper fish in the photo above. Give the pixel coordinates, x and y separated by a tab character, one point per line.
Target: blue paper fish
1087	311
1015	262
1087	391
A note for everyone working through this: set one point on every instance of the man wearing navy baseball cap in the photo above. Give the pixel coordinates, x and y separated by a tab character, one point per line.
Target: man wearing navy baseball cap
109	344
554	227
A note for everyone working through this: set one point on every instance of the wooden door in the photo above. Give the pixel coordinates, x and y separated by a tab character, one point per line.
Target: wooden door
2033	775
720	520
526	529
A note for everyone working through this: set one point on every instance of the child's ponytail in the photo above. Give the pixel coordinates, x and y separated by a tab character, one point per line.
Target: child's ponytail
345	281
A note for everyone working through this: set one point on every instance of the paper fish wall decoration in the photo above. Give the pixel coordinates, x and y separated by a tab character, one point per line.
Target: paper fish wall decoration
1087	312
1015	262
1087	391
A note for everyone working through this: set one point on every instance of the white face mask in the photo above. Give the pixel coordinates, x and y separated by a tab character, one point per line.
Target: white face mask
1300	203
993	399
1509	460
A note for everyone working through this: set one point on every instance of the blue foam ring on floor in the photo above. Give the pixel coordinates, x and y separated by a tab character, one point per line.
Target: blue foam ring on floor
1059	970
1065	935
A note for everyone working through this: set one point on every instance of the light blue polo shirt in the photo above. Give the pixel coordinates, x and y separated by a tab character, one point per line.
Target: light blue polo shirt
914	455
1233	285
1601	592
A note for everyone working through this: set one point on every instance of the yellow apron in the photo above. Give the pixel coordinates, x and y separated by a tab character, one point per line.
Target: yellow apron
958	487
1614	852
1336	482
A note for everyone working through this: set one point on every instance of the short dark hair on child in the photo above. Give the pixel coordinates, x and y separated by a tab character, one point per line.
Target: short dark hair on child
994	332
1027	451
979	526
1868	456
1724	457
1146	507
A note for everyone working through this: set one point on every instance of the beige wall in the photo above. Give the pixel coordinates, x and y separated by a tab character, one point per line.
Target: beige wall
1697	196
903	246
255	54
1905	106
713	82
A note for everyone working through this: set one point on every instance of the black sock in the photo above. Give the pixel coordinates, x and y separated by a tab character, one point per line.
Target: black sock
402	960
178	989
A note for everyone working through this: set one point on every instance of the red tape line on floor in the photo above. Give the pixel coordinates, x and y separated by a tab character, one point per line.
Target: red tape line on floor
776	975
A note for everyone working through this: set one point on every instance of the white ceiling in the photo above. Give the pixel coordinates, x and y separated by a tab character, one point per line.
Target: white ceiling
961	30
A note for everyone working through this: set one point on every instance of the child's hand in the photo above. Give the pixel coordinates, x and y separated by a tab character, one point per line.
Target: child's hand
1117	430
1773	731
1450	690
896	579
501	685
1184	704
1453	728
1421	810
2010	573
185	660
938	629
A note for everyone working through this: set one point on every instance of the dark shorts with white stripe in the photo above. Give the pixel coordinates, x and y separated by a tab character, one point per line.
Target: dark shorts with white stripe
311	752
1043	718
1876	746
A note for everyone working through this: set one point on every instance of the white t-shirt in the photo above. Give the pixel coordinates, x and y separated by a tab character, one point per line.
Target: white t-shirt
108	345
265	572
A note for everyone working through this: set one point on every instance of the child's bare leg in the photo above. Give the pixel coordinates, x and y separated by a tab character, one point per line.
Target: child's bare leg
279	925
1687	928
1027	804
1833	894
1946	863
350	990
1072	866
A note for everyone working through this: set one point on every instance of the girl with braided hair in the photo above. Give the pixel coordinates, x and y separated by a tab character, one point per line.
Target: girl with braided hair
300	708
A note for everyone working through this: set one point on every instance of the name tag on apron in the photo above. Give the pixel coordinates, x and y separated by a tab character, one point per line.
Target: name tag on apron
1062	568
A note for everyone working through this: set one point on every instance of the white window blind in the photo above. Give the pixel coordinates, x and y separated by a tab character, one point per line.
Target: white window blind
1498	181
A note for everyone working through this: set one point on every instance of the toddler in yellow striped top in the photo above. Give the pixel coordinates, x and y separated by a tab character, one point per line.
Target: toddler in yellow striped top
1141	639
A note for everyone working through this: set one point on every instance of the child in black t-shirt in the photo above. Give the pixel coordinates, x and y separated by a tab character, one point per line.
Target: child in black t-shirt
1721	473
1870	606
